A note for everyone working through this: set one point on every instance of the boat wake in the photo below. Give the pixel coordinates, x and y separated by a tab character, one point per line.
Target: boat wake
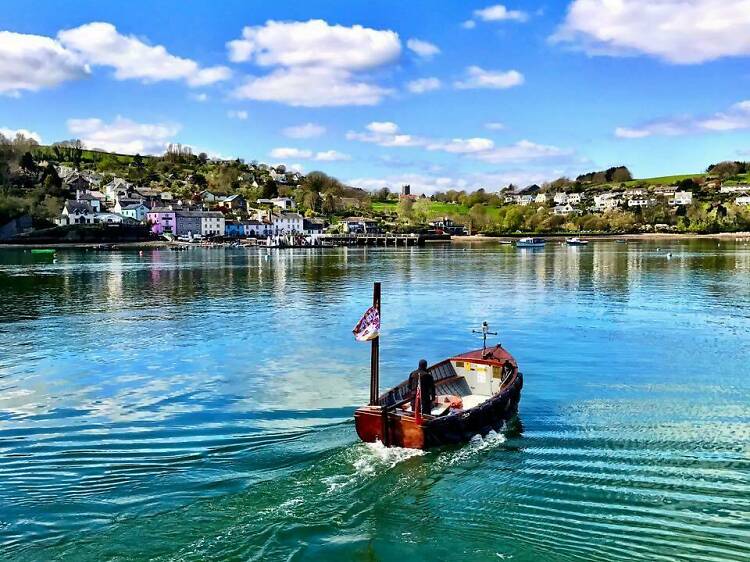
368	460
474	447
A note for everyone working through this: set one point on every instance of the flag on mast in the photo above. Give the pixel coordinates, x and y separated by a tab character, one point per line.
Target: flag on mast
368	327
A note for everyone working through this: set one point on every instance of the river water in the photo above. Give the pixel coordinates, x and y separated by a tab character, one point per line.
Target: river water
198	405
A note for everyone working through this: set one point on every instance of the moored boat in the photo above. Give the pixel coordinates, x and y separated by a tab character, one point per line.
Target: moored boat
476	392
530	243
576	242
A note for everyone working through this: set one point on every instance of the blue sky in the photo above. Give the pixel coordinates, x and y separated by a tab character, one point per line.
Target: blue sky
487	94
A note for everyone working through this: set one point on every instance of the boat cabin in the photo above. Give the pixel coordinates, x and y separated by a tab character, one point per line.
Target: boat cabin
474	377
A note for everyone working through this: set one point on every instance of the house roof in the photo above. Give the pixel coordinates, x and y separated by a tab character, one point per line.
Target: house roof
132	206
78	207
232	197
87	197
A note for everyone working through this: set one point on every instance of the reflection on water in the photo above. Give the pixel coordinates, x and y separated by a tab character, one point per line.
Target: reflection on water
197	405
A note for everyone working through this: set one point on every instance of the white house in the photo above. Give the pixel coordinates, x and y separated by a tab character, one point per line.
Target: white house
313	229
136	211
287	223
606	201
642	202
284	203
681	198
116	186
575	198
734	189
76	212
526	200
564	210
213	223
744	200
541	198
560	198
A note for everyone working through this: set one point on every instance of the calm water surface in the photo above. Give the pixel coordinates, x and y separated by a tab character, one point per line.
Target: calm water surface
197	405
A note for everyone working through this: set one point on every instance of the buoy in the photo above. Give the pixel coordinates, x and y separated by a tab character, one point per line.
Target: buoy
140	253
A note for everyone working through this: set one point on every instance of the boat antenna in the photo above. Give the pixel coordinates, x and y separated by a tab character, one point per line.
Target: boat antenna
485	331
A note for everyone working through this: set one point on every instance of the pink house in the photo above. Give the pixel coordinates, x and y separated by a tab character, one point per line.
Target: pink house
162	219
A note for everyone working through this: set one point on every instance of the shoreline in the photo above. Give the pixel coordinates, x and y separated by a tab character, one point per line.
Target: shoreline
594	237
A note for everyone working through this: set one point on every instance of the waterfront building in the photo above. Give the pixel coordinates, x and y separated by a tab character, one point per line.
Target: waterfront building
212	223
94	202
135	211
162	220
76	212
360	225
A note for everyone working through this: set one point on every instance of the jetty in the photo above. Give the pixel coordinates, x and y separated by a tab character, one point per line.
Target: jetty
382	239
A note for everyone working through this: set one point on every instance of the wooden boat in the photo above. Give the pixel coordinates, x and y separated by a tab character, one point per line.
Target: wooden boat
576	242
484	387
530	243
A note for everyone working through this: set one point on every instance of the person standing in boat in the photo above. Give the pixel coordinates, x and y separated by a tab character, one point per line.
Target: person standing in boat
423	378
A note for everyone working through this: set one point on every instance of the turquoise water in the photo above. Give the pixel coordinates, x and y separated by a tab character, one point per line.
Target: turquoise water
197	405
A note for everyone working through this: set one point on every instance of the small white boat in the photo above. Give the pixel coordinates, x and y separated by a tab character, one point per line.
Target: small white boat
576	242
530	243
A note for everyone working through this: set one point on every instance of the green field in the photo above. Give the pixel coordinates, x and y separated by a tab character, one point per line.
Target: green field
437	208
665	180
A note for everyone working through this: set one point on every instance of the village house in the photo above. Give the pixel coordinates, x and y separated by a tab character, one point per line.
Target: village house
232	203
743	200
77	182
313	229
162	220
187	223
135	211
256	228
116	187
96	204
76	212
681	198
447	226
564	210
359	225
284	203
606	201
642	202
734	189
212	223
208	197
560	198
541	198
575	198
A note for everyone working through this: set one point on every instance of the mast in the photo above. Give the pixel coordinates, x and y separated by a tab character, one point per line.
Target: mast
375	352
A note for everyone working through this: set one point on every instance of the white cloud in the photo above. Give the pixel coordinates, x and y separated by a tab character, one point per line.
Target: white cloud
477	77
469	24
388	134
423	49
494	126
385	134
34	62
315	43
199	97
498	12
422	85
676	31
240	114
331	156
286	153
736	118
314	64
123	135
311	87
11	134
522	151
304	131
463	146
99	43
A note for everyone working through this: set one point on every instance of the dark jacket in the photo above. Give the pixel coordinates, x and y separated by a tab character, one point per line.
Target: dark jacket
428	389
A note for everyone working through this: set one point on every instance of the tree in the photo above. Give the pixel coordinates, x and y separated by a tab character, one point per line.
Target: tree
724	170
329	203
421	210
405	208
27	163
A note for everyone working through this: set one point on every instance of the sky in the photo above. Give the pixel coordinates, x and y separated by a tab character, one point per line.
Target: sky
440	95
